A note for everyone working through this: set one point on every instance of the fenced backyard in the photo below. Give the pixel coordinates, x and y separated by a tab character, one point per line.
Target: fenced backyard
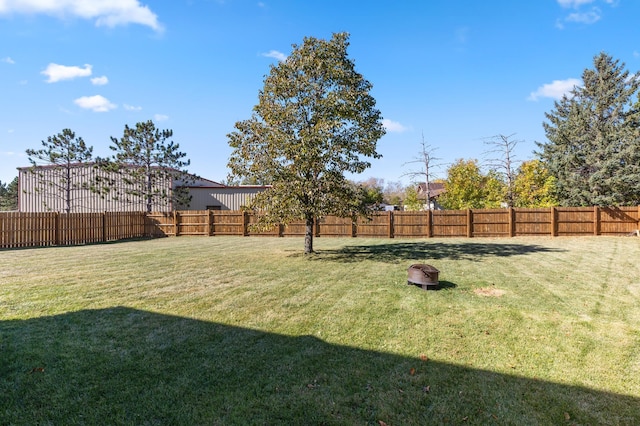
53	229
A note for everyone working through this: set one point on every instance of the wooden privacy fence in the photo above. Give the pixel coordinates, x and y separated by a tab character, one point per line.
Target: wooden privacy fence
48	229
555	221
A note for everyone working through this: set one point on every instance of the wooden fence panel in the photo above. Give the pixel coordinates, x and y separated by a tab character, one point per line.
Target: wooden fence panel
450	223
193	222
533	221
618	220
333	226
271	232
411	224
575	221
227	222
378	225
491	223
295	229
160	224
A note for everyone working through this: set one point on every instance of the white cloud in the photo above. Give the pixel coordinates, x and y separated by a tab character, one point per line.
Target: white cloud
100	81
8	60
575	3
132	108
57	72
276	55
393	126
555	90
585	17
95	103
160	117
109	13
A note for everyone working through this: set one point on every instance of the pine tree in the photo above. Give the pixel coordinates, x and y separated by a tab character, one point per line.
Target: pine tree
65	177
147	165
593	147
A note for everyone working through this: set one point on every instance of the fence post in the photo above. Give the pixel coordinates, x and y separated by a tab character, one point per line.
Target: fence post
512	222
56	222
175	223
280	230
391	224
354	228
429	223
207	231
469	223
104	227
554	222
245	223
596	220
316	226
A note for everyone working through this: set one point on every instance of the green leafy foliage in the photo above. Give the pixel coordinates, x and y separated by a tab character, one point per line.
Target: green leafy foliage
146	163
314	122
468	188
9	195
534	186
593	147
411	200
64	177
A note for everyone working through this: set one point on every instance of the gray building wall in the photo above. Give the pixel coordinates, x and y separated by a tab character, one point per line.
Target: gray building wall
223	198
42	189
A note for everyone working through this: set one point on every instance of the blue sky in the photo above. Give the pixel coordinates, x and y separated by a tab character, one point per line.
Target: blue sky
455	71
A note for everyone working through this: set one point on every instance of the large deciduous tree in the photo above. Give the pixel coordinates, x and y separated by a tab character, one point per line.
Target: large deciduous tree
64	178
593	146
146	168
315	121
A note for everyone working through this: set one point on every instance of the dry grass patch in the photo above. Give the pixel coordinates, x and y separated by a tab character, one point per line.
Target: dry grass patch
489	292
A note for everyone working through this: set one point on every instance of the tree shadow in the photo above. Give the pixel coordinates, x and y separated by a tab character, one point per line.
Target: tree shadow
126	366
402	251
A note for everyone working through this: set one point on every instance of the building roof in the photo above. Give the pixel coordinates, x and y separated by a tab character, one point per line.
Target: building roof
435	189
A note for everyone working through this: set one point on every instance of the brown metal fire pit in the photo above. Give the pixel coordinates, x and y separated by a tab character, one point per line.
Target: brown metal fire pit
426	276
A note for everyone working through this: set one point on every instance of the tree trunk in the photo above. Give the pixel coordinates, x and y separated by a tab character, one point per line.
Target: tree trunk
308	236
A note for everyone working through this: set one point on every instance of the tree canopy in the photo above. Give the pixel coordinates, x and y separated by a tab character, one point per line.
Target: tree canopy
534	186
148	163
593	147
9	195
468	188
315	121
63	179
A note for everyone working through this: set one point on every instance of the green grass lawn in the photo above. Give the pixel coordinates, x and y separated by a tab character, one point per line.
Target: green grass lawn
231	330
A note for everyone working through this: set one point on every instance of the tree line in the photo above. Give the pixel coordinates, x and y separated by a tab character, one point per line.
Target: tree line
316	120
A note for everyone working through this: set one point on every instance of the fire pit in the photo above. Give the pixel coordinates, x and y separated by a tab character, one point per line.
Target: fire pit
426	276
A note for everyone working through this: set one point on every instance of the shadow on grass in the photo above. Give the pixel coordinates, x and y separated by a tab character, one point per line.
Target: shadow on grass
125	366
402	251
442	285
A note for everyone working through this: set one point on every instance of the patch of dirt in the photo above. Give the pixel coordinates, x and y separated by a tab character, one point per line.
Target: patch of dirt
489	292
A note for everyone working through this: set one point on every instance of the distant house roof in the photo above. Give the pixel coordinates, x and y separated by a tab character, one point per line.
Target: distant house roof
435	189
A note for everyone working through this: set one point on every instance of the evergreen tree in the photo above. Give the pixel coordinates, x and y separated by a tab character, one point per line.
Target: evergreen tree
315	121
593	147
64	179
146	163
9	195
